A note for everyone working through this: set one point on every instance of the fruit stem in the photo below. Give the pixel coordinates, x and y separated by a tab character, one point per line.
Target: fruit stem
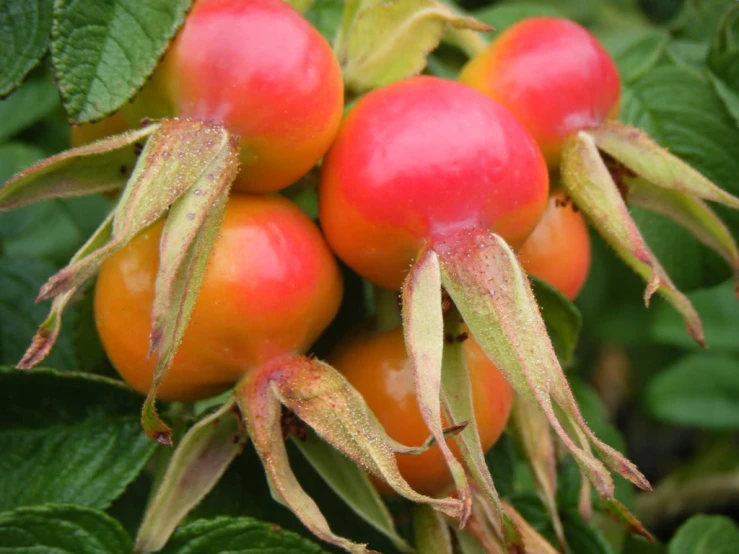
387	309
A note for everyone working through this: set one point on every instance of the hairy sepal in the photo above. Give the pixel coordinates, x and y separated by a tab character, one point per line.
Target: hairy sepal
197	464
456	388
485	534
352	485
383	42
423	327
491	291
431	531
174	157
691	213
47	333
185	246
262	411
587	180
98	167
321	397
634	149
531	430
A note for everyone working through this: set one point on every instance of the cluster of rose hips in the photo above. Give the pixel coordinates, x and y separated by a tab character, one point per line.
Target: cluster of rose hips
418	179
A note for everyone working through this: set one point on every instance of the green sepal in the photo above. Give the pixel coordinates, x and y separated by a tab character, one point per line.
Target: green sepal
201	458
98	167
531	430
431	531
456	388
44	339
589	183
635	150
352	485
187	240
423	327
690	212
262	412
322	398
486	282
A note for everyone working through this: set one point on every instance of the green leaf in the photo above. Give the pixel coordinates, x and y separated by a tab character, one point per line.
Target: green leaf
61	529
300	5
679	109
729	96
67	437
103	52
562	318
584	538
388	41
723	54
53	230
635	51
25	26
703	534
720	310
700	390
20	279
234	535
325	15
500	17
698	18
33	101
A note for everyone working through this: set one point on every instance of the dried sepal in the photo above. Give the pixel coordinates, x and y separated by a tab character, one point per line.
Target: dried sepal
690	212
262	412
423	327
588	182
98	167
491	291
531	430
352	485
199	461
322	398
634	149
458	406
44	339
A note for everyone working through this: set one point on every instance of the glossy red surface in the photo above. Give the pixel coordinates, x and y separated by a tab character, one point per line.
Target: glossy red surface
418	159
558	251
553	75
262	70
378	367
271	287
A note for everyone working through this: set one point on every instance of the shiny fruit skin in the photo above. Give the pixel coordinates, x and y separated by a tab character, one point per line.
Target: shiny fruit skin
558	251
259	68
419	159
378	367
114	124
553	75
270	289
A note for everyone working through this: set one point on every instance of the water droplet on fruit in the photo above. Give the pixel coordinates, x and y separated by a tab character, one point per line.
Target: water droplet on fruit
190	216
197	192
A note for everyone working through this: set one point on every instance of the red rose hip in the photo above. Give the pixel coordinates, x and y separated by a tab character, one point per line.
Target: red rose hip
259	68
418	160
553	75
